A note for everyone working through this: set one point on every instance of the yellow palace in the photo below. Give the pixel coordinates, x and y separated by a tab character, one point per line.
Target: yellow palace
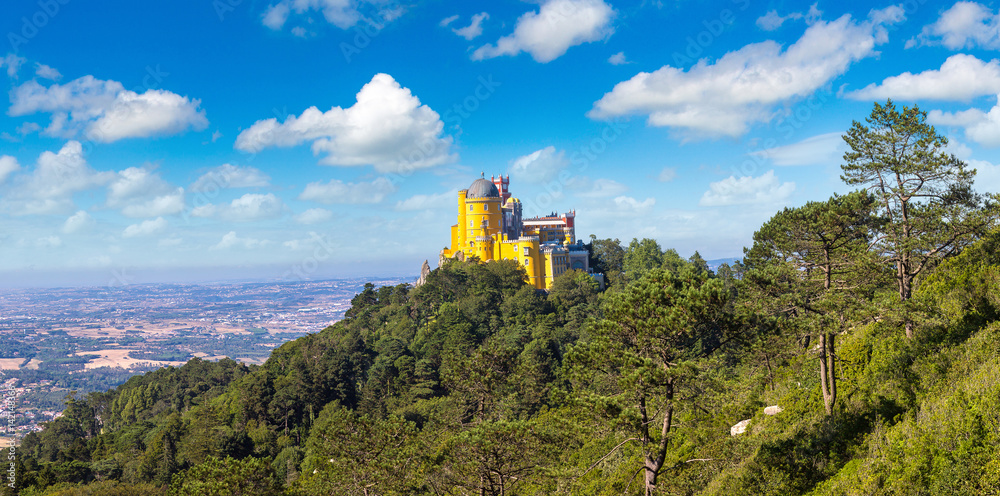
490	227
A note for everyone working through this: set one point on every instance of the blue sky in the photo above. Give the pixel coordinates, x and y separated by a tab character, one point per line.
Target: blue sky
291	139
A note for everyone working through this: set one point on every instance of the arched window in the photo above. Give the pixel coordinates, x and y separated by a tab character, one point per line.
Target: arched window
527	261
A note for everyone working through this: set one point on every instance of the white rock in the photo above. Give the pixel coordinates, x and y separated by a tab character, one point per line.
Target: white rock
773	410
739	428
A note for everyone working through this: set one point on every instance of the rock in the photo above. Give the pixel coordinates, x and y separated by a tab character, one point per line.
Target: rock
739	428
425	270
772	410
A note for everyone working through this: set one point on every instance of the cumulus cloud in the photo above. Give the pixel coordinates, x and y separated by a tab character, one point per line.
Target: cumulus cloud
822	149
961	77
48	242
987	176
667	174
230	176
387	128
629	204
276	15
50	187
314	216
140	192
747	190
13	64
617	59
79	222
337	191
341	13
153	113
599	188
981	127
8	165
772	21
249	207
743	87
474	29
44	71
145	228
964	25
231	240
538	166
105	111
548	33
428	202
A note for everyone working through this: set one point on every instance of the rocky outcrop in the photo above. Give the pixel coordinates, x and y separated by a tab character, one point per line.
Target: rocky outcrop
773	410
425	270
739	428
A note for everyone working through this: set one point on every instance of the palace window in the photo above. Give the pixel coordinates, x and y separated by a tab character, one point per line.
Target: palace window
486	207
470	208
525	251
527	261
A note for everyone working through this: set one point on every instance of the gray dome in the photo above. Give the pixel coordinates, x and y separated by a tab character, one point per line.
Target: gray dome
483	188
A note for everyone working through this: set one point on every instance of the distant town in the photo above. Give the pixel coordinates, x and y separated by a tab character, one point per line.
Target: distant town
60	340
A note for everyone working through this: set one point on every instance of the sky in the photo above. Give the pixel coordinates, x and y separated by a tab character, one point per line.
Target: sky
205	140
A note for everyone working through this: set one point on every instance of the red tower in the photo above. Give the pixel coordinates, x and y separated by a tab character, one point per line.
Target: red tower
502	184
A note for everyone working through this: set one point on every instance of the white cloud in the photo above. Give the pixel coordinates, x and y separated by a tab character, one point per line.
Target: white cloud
822	149
747	190
299	31
474	29
428	202
249	207
48	242
448	20
617	59
629	204
548	33
314	216
987	176
8	165
742	88
772	21
79	222
145	228
387	128
56	178
981	127
13	64
341	13
337	191
167	204
153	113
104	111
140	192
276	15
230	176
539	166
964	25
667	174
961	77
44	71
231	240
600	188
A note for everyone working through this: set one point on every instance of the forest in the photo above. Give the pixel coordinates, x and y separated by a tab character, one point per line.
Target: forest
853	350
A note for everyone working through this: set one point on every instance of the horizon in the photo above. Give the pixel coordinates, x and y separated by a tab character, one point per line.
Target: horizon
230	140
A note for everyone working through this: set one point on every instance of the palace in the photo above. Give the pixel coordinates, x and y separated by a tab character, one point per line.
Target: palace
490	227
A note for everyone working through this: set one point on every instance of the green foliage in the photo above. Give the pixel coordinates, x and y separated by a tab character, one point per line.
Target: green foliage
227	477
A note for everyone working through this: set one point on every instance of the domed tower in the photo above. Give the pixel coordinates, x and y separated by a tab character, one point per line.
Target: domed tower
483	217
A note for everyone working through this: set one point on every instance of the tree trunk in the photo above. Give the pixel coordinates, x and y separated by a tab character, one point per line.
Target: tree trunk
828	371
654	460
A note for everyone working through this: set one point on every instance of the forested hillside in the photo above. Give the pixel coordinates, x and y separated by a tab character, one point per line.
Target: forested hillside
856	344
